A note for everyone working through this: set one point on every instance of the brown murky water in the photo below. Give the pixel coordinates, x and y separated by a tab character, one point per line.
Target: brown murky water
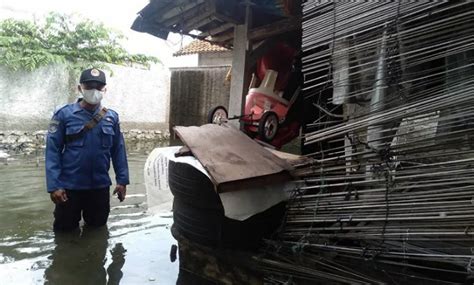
133	249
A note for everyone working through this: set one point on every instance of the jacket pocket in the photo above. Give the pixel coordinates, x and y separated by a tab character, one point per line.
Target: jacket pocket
107	135
74	135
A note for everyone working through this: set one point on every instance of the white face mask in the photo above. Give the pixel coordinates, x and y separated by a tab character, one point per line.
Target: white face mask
92	96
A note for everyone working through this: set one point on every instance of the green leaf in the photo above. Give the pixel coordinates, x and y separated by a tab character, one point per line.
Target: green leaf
60	38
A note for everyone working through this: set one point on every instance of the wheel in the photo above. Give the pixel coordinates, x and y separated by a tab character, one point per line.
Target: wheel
268	126
247	234
203	226
212	228
217	115
191	186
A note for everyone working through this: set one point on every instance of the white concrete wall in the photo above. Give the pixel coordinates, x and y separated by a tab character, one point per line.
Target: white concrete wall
141	97
27	99
215	59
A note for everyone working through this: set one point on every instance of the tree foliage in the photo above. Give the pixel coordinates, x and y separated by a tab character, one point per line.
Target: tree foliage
63	39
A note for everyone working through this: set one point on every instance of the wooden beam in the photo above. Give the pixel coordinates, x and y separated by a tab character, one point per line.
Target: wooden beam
225	18
179	9
224	37
212	17
274	29
266	31
150	27
196	10
217	30
199	20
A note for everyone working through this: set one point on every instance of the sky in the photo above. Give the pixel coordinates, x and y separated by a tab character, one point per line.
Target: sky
115	14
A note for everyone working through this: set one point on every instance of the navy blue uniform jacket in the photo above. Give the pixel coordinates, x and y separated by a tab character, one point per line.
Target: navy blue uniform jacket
84	163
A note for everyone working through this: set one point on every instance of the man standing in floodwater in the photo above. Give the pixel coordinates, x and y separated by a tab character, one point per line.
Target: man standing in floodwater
82	139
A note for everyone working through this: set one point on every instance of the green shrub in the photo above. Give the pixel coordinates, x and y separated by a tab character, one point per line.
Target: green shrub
63	39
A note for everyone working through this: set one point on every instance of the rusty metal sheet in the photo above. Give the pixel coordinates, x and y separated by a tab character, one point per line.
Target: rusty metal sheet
230	156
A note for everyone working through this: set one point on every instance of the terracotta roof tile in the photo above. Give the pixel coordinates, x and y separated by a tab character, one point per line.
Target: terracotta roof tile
198	47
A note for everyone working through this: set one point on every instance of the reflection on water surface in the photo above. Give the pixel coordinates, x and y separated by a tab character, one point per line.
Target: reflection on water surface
133	249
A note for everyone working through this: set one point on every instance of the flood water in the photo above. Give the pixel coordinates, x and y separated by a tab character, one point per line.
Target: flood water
133	249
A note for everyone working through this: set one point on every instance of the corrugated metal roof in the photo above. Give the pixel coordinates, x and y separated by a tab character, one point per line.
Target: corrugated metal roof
199	47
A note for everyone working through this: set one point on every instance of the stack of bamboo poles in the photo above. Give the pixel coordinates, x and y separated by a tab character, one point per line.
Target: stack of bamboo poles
389	196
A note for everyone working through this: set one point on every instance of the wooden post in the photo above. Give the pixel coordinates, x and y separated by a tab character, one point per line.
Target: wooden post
240	64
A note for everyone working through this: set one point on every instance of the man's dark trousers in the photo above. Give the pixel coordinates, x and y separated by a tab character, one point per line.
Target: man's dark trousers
93	204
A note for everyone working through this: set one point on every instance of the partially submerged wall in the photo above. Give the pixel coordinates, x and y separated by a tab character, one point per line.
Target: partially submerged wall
28	99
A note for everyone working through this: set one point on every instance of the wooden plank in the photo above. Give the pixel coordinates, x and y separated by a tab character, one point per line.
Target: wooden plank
179	9
227	19
198	23
276	28
229	155
264	32
179	19
217	30
227	36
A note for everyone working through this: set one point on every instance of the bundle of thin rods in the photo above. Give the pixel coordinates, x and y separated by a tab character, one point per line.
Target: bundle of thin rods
389	194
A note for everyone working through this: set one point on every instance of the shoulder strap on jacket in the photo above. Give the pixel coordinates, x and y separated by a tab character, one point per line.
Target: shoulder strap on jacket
88	126
96	119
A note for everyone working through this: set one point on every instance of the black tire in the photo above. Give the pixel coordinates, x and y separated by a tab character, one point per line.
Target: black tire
212	228
215	114
268	126
247	234
203	226
191	186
